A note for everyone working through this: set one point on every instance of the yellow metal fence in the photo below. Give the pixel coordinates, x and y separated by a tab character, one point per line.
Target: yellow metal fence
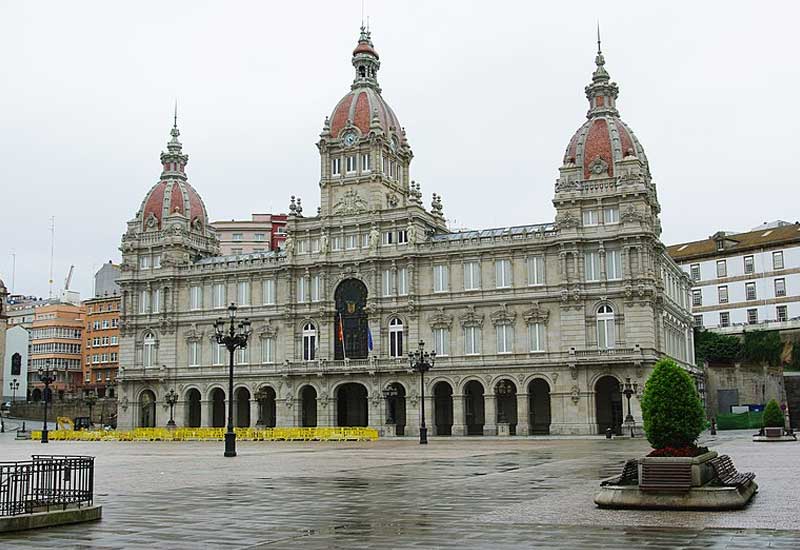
214	434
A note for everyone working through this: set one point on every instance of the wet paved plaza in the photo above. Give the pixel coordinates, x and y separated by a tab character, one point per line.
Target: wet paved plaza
461	493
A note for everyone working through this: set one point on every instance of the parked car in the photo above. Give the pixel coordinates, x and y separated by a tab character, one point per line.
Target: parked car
82	423
5	407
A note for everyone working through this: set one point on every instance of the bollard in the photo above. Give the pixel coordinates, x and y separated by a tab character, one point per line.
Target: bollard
608	433
713	426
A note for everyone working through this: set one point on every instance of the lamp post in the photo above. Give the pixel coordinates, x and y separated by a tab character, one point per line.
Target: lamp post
421	362
171	398
233	339
14	385
46	378
90	399
629	390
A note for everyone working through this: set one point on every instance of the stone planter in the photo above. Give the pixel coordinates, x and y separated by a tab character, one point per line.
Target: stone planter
663	473
503	429
773	432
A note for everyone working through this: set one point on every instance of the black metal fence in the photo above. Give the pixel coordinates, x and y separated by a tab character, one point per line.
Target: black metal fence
45	483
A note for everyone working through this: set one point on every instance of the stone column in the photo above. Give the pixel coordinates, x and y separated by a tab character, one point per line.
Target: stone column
205	413
375	413
326	409
412	417
459	428
429	420
489	414
179	413
523	414
253	412
285	414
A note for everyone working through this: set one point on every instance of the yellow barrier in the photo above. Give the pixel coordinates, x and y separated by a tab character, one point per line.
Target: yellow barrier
215	434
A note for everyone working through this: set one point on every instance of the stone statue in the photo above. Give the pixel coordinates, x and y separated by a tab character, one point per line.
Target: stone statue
412	234
288	245
323	243
374	238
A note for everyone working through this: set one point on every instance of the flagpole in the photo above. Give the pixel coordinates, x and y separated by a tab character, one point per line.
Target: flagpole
341	333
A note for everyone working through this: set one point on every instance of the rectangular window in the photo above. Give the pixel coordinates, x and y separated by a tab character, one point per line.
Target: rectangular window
144	303
722	293
156	262
441	341
268	350
237	251
388	237
196	298
472	340
350	164
218	295
351	242
752	316
749	265
697	297
105	323
302	246
536	337
441	281
219	353
236	237
194	353
260	236
472	275
610	215
268	291
750	291
336	166
590	217
722	268
315	245
302	288
780	287
243	293
613	264
535	270
724	319
781	313
698	321
387	282
242	356
114	340
402	281
365	240
366	164
316	288
337	243
592	266
777	260
402	236
144	262
502	270
505	338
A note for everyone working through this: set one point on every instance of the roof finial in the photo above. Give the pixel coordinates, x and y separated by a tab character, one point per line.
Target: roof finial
175	117
599	51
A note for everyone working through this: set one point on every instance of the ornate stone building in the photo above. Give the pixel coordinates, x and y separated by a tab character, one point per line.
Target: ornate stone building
536	327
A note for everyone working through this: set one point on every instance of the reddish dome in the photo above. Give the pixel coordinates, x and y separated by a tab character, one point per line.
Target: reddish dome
358	106
605	137
364	47
169	197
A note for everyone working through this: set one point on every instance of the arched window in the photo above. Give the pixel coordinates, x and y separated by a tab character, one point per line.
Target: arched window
149	350
606	333
395	338
309	342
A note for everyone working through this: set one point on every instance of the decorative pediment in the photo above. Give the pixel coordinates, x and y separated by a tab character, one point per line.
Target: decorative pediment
567	219
470	318
350	203
632	215
536	314
267	330
440	319
598	168
193	334
503	316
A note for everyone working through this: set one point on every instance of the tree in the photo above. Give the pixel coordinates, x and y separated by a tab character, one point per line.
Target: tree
773	416
762	346
713	347
671	408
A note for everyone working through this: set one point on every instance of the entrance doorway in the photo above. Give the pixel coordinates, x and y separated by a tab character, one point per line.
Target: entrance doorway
308	407
443	408
266	407
193	408
396	407
473	407
351	405
217	408
242	407
608	399
147	409
539	407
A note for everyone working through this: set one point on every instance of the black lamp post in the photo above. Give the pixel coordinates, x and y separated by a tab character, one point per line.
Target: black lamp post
90	399
14	385
629	390
421	362
232	339
171	398
46	378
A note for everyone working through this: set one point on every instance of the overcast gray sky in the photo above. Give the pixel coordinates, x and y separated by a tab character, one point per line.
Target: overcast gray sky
489	94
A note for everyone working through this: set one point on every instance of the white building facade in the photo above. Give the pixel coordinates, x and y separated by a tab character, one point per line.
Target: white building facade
744	278
537	327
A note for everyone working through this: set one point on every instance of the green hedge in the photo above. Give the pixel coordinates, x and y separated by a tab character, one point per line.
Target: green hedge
742	421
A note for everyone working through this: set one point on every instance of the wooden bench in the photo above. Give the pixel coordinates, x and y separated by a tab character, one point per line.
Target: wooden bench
629	475
675	477
727	474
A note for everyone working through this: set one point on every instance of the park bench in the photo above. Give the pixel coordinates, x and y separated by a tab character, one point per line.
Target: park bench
728	475
629	475
668	477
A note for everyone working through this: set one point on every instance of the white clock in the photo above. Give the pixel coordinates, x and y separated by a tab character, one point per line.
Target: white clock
349	139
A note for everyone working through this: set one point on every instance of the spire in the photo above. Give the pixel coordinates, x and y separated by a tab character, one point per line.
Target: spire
601	93
366	61
174	161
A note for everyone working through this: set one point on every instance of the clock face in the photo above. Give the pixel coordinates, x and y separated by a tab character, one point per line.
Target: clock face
393	144
349	139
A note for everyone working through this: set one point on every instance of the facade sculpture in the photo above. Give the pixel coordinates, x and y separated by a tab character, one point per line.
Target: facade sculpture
536	327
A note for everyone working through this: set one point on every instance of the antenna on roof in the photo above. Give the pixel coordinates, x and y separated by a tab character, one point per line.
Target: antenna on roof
52	248
598	37
175	116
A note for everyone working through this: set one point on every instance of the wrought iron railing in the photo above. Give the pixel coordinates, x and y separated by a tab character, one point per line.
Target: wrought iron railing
45	483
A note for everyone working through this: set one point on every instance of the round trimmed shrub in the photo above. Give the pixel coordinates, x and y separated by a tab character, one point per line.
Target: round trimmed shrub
671	408
773	416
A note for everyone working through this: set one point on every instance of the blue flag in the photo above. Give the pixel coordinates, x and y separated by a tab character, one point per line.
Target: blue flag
369	338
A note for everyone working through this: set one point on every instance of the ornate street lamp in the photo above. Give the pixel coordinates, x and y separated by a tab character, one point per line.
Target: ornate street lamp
90	399
629	390
232	339
46	378
421	362
14	385
171	398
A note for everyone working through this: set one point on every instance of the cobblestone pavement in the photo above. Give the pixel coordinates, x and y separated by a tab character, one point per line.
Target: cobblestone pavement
460	493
